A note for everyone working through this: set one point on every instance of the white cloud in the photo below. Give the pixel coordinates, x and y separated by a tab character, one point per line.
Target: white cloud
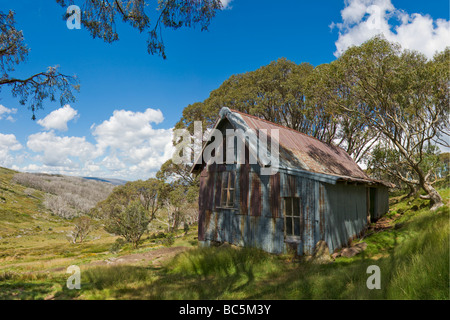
126	146
126	128
58	119
57	151
5	111
226	4
363	19
136	149
8	143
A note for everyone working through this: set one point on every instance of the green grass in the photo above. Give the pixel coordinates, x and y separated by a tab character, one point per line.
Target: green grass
413	257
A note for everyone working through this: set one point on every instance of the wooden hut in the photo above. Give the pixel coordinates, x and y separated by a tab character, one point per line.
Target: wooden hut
316	193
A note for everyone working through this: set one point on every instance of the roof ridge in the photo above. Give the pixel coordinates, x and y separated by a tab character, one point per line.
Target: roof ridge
291	129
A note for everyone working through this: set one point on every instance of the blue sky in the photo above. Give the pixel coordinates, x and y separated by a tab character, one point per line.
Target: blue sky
129	100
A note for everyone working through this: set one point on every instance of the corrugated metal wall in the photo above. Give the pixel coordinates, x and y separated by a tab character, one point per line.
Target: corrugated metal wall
381	205
334	213
345	213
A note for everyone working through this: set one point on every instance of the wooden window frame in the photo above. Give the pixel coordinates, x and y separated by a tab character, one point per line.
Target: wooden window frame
291	214
228	190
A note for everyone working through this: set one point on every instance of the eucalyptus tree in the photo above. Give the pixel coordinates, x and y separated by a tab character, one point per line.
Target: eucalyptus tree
328	93
400	94
276	92
297	96
100	17
33	89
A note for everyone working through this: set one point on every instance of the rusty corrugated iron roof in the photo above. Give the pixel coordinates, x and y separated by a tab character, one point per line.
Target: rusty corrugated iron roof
299	151
308	153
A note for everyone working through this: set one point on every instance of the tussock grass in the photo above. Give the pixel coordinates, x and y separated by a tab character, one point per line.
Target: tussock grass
219	262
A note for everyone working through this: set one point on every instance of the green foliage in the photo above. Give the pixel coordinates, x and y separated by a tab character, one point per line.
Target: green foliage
36	88
99	17
170	171
148	193
169	240
130	223
276	92
289	94
117	245
82	228
400	94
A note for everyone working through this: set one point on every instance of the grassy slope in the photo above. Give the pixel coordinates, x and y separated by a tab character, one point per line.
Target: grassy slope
34	250
31	237
413	258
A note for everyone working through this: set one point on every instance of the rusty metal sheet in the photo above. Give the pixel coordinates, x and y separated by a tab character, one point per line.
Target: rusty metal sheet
244	178
291	184
275	197
255	196
209	192
218	188
309	221
322	210
306	152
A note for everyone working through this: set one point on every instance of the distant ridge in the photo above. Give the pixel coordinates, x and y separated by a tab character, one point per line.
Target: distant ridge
116	182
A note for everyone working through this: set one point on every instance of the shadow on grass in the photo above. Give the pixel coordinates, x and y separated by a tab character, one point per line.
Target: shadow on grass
132	282
25	290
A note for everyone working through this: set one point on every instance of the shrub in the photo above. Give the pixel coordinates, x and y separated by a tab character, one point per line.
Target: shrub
169	240
129	223
82	228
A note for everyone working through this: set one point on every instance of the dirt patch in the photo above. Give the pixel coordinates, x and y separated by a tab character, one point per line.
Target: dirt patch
156	257
383	224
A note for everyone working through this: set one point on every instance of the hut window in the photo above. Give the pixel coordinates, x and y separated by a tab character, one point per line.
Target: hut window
292	216
227	190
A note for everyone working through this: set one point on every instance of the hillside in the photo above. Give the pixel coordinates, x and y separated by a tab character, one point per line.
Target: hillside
30	233
410	245
116	182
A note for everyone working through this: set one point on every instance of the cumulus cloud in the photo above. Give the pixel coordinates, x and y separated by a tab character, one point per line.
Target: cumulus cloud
126	128
135	147
58	151
58	119
8	143
124	146
7	113
363	19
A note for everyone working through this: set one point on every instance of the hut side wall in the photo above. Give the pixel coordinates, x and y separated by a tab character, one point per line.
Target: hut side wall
382	202
334	213
345	208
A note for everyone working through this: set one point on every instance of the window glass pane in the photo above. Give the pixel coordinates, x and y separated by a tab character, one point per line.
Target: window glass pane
231	177
288	206
223	198
224	179
296	226
288	226
224	150
296	203
231	200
